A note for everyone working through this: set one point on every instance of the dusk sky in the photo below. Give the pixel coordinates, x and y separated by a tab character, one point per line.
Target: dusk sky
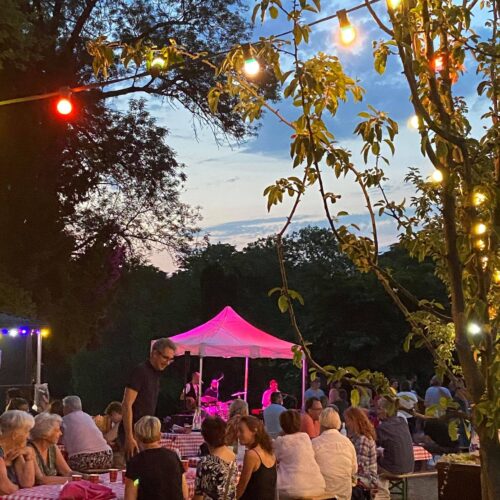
227	182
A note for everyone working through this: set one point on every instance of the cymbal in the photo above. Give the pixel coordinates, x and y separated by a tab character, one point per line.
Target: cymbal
208	399
241	393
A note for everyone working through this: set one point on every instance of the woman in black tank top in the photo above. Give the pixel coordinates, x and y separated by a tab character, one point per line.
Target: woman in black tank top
258	477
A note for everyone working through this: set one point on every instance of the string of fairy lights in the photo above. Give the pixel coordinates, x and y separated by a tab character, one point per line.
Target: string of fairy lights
251	67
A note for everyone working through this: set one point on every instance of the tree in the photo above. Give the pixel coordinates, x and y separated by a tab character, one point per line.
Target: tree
454	220
81	196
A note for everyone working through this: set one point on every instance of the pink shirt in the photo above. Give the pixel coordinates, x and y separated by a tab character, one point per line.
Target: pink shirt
309	426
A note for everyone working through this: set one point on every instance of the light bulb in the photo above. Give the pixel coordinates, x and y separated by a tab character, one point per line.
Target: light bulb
414	122
438	62
251	66
437	176
480	244
13	332
64	106
480	228
478	198
347	31
474	329
44	332
496	276
158	62
393	4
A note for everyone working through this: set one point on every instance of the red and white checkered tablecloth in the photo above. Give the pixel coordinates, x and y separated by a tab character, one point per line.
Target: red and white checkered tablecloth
420	453
187	444
51	492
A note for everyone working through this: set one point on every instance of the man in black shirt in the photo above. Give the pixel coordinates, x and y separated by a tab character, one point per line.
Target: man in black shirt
141	392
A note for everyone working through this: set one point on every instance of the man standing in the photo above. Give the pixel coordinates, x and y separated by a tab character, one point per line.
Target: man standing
192	389
434	398
272	415
394	437
266	397
315	390
141	392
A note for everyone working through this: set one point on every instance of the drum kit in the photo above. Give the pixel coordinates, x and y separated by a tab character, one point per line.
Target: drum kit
211	406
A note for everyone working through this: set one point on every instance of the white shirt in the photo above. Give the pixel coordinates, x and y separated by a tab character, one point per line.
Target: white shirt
407	400
81	434
298	473
336	457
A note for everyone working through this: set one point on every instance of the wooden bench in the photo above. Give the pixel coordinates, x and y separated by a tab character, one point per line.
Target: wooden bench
398	483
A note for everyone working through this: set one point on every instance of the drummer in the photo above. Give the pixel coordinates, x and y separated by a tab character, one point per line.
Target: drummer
213	390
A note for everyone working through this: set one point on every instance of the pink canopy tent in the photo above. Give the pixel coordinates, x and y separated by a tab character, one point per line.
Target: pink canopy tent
228	335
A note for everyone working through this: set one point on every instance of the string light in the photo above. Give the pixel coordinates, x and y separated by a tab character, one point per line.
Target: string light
393	4
251	67
478	198
474	329
437	176
44	332
64	106
158	62
414	122
13	332
480	244
480	228
347	31
438	62
496	276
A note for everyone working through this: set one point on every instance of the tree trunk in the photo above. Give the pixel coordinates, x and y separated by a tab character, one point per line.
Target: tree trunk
490	465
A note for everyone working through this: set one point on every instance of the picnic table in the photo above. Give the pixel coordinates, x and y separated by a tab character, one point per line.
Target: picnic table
187	444
420	453
51	492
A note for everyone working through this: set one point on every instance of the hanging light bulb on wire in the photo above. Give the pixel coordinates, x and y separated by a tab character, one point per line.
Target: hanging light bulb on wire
251	66
347	31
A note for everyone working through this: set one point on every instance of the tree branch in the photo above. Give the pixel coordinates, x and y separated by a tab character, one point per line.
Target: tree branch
80	23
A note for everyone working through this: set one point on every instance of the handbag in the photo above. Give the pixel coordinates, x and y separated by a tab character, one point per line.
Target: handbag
85	490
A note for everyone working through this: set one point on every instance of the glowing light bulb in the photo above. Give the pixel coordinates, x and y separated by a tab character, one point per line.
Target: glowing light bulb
478	198
474	329
496	276
347	31
480	228
414	122
13	332
393	4
251	66
480	244
64	106
44	332
439	62
437	176
158	63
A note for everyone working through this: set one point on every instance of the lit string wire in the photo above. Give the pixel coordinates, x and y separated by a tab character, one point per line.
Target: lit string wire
94	85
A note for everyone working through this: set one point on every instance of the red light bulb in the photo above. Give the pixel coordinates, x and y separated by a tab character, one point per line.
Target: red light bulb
64	106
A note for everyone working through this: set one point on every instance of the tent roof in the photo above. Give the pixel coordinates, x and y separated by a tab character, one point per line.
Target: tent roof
228	335
10	321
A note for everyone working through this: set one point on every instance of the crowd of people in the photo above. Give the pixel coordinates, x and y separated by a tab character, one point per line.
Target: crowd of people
329	449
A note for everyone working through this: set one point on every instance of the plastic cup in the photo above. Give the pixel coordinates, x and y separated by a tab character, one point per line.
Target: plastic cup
76	477
94	478
185	465
113	475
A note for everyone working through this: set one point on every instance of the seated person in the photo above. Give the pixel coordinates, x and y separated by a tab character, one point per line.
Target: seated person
109	422
85	445
335	455
217	472
20	404
310	417
272	415
50	465
394	437
17	468
155	473
298	473
11	393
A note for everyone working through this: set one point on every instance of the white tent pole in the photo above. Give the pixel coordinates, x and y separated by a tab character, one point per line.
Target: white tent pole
304	373
246	379
39	358
201	382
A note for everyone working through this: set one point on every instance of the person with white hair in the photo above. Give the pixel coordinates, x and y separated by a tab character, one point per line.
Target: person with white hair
155	473
50	465
141	392
85	445
17	468
335	455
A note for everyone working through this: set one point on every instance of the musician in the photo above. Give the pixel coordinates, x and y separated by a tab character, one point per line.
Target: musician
192	389
213	390
266	397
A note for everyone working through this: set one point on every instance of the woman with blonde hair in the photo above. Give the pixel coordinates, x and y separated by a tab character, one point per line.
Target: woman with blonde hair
335	456
363	437
50	465
17	468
